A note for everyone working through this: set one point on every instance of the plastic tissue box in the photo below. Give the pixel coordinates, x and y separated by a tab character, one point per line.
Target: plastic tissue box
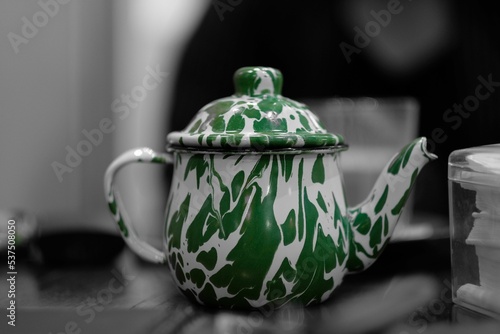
474	193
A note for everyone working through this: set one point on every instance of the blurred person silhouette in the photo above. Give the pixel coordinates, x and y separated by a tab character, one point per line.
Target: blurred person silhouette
438	51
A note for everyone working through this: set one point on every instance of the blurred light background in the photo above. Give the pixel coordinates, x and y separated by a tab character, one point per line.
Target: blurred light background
63	81
62	76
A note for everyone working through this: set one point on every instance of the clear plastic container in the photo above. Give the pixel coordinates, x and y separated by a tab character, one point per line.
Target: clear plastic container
474	189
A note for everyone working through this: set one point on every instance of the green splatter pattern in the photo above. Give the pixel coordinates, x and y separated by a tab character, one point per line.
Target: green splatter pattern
256	117
235	230
375	219
247	230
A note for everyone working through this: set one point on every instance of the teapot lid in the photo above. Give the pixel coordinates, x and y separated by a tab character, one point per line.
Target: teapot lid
257	117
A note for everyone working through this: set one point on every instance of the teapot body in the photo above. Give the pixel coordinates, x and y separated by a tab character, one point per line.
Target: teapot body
245	230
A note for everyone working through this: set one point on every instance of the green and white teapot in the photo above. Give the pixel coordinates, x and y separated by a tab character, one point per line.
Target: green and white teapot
257	213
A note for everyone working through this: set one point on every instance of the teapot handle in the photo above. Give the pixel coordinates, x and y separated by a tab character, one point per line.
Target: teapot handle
141	155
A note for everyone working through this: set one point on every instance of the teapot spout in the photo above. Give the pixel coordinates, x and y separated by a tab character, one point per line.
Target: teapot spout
373	221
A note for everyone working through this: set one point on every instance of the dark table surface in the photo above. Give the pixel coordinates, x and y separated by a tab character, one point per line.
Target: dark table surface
407	291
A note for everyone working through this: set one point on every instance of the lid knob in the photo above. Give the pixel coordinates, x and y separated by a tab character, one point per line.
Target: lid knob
258	81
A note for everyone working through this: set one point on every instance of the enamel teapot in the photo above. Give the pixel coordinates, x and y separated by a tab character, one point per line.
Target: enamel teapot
256	213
